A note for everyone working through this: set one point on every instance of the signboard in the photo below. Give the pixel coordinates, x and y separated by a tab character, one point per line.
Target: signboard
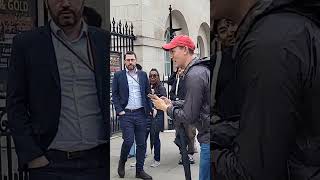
115	65
15	16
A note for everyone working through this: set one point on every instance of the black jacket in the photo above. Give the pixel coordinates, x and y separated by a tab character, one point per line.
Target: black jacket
34	91
227	106
227	90
277	51
181	87
160	91
195	108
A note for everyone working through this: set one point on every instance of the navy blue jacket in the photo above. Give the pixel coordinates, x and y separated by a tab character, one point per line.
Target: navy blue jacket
34	90
120	91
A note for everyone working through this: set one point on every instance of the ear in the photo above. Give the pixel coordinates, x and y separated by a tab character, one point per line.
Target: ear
185	50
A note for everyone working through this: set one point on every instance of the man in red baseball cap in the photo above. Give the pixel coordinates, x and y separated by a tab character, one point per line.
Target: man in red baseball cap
181	50
195	109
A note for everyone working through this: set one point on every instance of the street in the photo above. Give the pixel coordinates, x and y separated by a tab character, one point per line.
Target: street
169	167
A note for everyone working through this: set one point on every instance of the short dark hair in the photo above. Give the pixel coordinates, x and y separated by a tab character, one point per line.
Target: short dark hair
130	53
92	17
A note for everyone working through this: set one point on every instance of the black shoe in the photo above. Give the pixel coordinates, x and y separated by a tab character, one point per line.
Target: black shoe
143	175
191	160
121	168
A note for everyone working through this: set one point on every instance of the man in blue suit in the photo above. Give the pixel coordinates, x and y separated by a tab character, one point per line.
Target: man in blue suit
130	88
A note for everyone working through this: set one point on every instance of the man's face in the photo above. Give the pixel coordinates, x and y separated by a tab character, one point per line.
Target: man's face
130	62
178	55
66	13
226	30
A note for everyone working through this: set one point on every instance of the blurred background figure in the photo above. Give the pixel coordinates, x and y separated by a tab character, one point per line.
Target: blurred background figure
155	124
92	17
177	93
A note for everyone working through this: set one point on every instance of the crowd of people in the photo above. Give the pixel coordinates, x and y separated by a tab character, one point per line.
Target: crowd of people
141	103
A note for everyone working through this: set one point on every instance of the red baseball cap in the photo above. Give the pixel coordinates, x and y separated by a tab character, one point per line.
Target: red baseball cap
181	40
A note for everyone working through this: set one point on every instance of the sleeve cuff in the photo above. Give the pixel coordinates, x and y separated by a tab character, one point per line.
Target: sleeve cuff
170	111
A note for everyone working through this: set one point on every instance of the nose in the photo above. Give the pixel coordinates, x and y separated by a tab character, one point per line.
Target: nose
66	3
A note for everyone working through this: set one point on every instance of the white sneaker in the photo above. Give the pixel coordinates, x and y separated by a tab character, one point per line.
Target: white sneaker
155	164
133	164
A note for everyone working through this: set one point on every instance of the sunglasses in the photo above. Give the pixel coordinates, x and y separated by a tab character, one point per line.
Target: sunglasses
153	75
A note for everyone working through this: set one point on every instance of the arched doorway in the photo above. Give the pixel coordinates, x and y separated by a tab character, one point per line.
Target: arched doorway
178	21
203	40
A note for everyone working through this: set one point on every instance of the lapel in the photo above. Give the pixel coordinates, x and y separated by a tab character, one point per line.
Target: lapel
48	48
141	82
96	56
125	80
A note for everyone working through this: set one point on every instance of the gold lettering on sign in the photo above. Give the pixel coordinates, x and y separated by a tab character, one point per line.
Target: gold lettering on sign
15	5
2	5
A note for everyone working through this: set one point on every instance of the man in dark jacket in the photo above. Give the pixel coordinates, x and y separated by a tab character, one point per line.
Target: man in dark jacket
57	100
195	109
178	92
224	88
279	81
130	88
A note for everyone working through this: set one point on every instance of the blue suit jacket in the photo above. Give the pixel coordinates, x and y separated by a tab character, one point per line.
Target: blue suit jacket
120	91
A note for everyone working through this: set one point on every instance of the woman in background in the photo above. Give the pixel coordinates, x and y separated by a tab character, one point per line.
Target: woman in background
155	124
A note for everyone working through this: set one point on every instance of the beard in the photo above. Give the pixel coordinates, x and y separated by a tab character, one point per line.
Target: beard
66	17
131	67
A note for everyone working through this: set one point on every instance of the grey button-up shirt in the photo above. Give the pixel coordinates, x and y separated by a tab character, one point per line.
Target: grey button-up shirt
135	98
81	124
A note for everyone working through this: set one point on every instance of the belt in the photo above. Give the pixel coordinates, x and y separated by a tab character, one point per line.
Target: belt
67	155
134	110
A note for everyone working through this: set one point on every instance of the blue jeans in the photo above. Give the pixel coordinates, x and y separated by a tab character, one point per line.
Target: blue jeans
134	125
205	164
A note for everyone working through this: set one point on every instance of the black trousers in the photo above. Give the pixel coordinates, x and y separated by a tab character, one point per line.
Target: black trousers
91	165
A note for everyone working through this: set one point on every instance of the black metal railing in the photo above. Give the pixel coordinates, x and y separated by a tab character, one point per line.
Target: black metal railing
8	158
122	37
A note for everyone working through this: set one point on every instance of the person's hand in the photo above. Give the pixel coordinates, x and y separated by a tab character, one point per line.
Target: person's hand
38	162
158	103
166	100
122	113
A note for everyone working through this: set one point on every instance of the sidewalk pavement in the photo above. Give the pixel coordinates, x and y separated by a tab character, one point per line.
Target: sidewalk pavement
169	167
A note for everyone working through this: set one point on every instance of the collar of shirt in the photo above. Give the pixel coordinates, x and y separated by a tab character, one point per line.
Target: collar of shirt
59	32
134	72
